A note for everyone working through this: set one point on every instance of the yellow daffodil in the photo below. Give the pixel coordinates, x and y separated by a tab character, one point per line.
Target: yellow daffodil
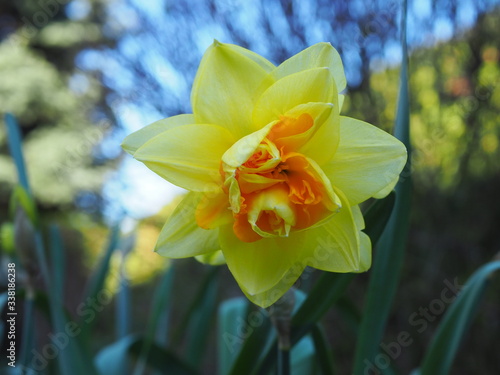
275	174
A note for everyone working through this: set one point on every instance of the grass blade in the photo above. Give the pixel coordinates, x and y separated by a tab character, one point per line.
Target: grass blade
390	248
331	286
197	301
97	280
112	359
198	328
122	302
323	351
15	146
253	339
161	301
71	358
446	341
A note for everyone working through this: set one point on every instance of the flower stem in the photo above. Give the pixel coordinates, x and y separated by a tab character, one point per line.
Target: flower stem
283	361
281	316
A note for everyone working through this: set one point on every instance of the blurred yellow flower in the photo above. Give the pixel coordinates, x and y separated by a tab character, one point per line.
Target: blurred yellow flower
275	174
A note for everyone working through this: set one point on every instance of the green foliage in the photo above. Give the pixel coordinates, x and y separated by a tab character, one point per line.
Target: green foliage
458	318
455	132
54	112
390	248
453	107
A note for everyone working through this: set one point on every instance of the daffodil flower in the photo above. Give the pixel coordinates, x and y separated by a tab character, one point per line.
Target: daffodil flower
275	174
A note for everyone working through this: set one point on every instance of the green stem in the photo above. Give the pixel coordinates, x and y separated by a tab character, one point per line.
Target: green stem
281	317
283	361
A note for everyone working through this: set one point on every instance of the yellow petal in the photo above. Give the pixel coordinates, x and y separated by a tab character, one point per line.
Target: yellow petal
181	237
341	102
263	62
135	140
365	252
313	85
358	217
367	163
188	156
267	298
258	266
242	149
336	242
213	210
316	56
319	113
275	202
215	258
365	244
226	86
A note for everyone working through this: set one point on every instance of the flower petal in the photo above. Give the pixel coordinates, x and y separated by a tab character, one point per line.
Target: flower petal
318	112
318	55
337	248
135	140
188	156
215	258
267	298
365	252
263	62
313	85
365	244
368	161
213	210
181	237
259	266
226	87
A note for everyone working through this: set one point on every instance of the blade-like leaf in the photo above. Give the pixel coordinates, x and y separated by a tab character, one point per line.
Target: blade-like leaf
111	359
444	346
159	311
122	310
259	349
71	357
15	146
331	286
243	339
391	246
57	263
184	326
97	280
323	351
198	328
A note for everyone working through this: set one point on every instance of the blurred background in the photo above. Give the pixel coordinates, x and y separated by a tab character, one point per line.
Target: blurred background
80	75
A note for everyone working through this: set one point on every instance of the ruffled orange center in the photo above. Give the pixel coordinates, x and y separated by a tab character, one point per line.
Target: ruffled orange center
277	189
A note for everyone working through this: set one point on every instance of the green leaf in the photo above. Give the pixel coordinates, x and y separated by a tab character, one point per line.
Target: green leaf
323	351
21	198
111	359
246	333
203	312
185	324
71	357
251	330
327	290
97	280
159	310
57	263
391	246
331	286
444	346
122	311
16	151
